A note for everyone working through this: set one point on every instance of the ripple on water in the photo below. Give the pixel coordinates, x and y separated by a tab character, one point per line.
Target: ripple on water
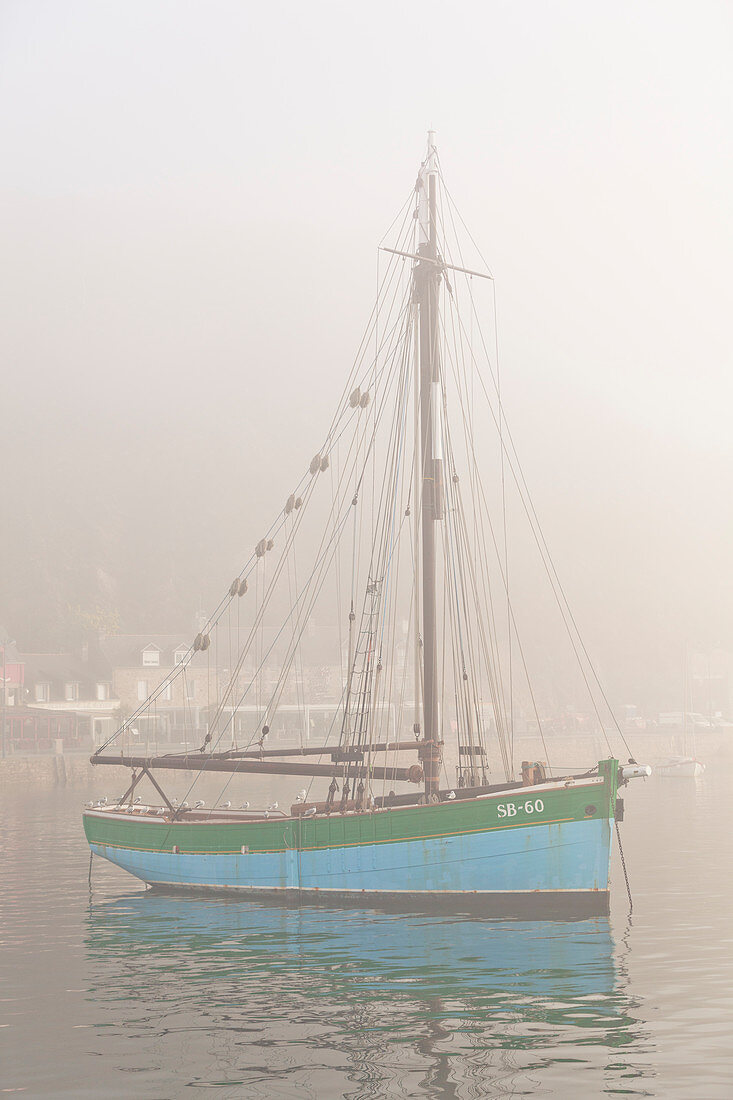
134	994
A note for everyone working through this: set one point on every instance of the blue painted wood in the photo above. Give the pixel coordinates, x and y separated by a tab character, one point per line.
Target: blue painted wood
571	855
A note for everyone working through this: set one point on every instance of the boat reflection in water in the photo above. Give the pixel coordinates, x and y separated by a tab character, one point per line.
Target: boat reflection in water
354	1002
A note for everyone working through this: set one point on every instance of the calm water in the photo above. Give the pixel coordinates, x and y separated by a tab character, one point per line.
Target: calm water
123	993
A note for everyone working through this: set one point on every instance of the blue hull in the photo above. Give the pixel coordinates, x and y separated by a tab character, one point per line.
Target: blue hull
514	870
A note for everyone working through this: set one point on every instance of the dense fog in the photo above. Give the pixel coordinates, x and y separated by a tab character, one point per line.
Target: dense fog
192	199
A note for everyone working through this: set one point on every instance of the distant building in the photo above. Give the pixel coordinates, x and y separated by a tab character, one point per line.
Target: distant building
47	697
182	712
12	671
139	663
30	730
79	685
84	697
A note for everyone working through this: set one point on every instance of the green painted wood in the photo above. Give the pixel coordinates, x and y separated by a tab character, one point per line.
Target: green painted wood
382	826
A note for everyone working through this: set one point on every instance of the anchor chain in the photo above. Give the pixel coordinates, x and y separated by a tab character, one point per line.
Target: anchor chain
623	865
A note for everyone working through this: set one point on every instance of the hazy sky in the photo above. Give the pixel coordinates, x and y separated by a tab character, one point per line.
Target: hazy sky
192	195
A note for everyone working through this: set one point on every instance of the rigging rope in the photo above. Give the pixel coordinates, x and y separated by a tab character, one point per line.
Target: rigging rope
471	655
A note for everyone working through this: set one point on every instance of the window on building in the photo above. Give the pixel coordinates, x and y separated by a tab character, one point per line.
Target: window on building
166	694
151	655
72	692
180	656
102	691
42	692
142	689
190	689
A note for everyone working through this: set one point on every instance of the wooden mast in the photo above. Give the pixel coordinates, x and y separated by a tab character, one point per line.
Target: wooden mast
428	422
427	284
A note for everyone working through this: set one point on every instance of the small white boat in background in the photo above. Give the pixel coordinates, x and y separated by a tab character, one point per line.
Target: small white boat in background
680	767
684	767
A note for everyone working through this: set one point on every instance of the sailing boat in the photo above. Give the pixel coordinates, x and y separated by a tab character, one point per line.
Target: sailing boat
680	767
398	531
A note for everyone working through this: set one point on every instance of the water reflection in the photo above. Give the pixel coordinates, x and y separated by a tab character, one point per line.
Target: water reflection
261	999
